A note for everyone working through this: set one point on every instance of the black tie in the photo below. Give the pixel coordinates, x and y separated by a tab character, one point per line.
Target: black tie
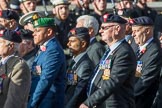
70	65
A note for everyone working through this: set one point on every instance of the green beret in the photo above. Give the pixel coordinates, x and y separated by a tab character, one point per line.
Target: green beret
44	22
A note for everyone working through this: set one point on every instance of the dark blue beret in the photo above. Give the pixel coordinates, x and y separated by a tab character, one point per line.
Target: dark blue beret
14	4
80	32
130	13
9	14
26	34
143	21
113	18
10	35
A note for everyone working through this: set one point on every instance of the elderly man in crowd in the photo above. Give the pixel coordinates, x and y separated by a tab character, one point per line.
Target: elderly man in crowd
15	77
113	80
148	62
9	19
95	50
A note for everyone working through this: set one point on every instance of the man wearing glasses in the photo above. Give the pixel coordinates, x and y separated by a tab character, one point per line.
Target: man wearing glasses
112	82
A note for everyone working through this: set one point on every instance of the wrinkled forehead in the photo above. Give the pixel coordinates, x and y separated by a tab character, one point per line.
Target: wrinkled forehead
137	28
100	0
2	40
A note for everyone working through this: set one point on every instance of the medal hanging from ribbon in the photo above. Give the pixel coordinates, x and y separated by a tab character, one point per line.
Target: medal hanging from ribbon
71	74
138	69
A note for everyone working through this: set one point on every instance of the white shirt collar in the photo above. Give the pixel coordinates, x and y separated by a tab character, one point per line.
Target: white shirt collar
4	60
145	45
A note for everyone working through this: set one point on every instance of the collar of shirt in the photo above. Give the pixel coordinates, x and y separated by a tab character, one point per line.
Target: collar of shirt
145	45
4	60
115	45
92	39
16	29
128	37
45	43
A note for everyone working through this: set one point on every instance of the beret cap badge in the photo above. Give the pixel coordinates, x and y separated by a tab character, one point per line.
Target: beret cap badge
73	32
1	32
35	16
105	17
0	13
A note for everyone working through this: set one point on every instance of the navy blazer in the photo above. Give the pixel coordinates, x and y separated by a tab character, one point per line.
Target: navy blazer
117	91
47	89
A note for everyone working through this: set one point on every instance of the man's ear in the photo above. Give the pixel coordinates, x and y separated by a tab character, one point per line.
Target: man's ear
11	45
54	11
90	30
83	44
12	23
49	31
117	29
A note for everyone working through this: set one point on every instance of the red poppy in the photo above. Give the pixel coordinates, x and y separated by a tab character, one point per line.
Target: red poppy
3	76
43	48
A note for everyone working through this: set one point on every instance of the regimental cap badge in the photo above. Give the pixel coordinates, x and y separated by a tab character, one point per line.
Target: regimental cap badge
105	16
0	13
35	16
72	31
35	23
130	21
1	32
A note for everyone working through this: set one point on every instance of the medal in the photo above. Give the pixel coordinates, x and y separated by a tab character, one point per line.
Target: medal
75	78
138	69
106	74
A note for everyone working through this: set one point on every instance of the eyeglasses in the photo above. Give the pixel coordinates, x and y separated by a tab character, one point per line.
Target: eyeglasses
106	27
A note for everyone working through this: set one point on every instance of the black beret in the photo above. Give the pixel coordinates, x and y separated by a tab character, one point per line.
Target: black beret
124	0
10	35
143	21
130	13
113	18
80	32
9	14
26	34
14	4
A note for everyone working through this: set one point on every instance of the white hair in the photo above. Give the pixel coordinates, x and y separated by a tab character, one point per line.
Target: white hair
89	21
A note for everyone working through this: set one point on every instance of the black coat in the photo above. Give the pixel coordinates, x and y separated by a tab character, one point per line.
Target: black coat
117	91
76	94
147	84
